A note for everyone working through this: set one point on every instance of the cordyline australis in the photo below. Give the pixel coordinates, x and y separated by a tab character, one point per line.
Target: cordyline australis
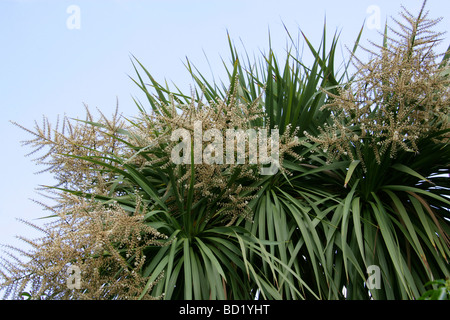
361	184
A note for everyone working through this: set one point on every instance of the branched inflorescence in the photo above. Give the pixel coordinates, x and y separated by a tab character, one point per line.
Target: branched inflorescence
226	183
400	96
104	243
66	147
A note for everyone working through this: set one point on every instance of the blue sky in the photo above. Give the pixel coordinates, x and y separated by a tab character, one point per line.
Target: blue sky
49	69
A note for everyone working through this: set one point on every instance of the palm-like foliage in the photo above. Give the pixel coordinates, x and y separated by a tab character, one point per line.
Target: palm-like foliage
338	206
394	207
266	249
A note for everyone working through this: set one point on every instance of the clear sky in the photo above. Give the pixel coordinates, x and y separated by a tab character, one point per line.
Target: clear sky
57	55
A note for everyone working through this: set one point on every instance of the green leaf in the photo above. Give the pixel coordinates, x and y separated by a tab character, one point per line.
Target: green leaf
187	270
406	169
393	248
156	273
211	257
142	181
25	294
400	209
351	168
344	228
356	214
